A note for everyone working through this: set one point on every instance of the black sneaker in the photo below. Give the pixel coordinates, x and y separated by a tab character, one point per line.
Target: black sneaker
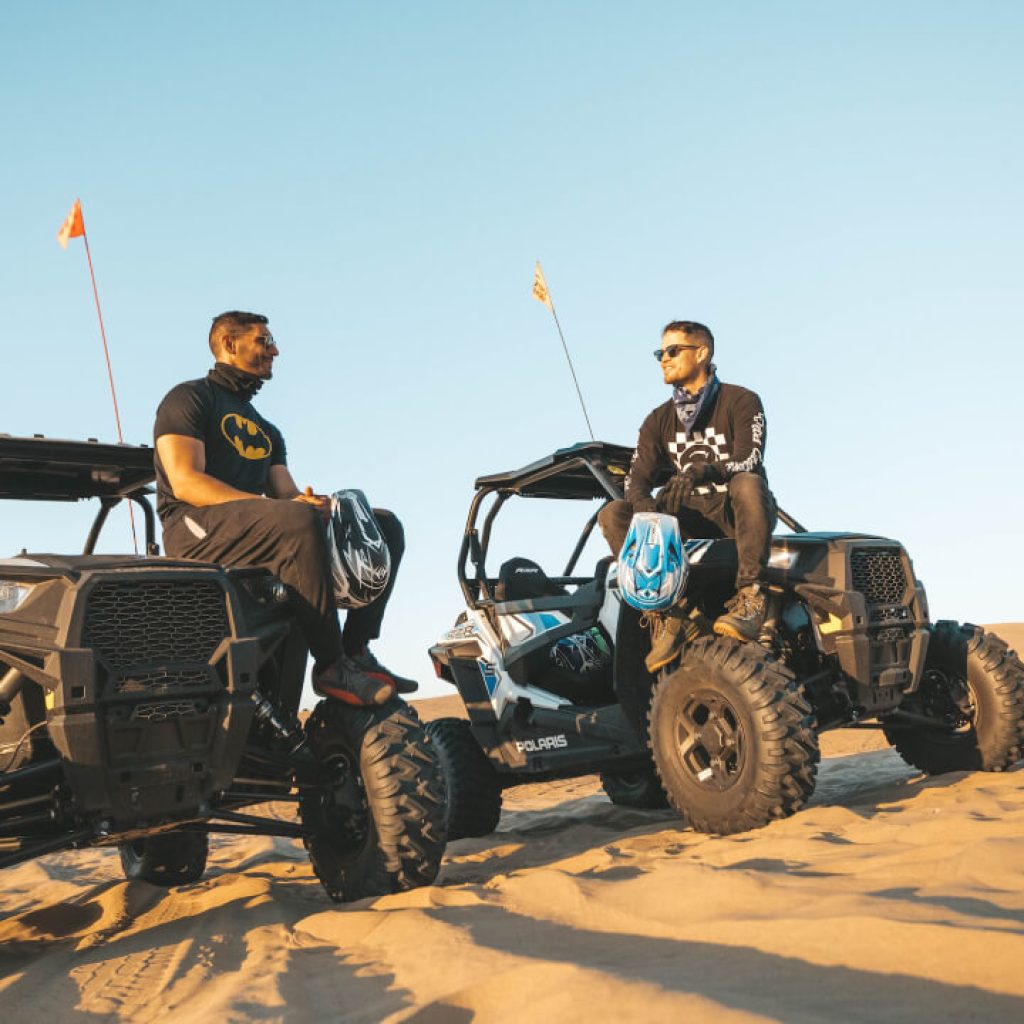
346	680
366	660
745	615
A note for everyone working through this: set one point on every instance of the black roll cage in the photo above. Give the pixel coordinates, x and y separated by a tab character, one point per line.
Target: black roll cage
586	471
39	468
107	502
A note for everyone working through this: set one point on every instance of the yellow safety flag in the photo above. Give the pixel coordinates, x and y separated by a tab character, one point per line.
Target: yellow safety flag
540	287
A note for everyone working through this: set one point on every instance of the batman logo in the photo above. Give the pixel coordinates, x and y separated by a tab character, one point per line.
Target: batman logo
247	438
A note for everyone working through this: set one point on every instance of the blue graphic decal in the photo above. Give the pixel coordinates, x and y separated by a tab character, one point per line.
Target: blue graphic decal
490	676
542	621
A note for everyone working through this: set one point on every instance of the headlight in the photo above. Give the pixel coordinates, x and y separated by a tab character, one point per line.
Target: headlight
13	595
266	589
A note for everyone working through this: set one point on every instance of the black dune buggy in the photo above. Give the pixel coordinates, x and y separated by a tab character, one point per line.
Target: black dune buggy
147	702
551	670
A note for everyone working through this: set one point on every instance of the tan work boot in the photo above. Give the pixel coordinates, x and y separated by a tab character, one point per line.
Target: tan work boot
745	615
669	631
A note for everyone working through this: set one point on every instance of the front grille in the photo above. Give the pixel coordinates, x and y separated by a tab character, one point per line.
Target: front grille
164	712
878	574
882	613
889	635
134	622
144	682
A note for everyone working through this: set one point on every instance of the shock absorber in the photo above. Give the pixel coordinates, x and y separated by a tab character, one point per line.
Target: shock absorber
770	629
288	730
10	687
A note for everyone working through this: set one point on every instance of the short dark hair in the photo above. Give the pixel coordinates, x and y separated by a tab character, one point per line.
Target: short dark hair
692	329
231	324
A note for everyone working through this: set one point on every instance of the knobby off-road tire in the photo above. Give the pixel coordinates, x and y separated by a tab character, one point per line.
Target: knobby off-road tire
377	823
733	738
169	858
974	685
471	783
641	788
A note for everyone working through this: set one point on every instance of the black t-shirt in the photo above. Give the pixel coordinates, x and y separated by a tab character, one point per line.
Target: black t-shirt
241	445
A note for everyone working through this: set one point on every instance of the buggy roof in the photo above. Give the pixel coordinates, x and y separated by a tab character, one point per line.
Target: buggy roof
47	469
565	474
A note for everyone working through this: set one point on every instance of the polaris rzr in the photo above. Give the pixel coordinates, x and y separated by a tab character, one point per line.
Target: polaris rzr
147	702
551	668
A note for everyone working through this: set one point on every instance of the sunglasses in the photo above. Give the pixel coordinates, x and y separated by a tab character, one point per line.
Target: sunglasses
266	340
671	351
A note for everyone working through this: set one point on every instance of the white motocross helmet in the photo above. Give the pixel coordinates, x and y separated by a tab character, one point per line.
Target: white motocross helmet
359	557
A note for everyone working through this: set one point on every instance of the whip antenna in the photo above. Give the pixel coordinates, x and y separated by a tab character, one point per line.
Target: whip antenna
73	226
541	294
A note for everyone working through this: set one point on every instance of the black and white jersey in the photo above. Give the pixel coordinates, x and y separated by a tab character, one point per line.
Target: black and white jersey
729	432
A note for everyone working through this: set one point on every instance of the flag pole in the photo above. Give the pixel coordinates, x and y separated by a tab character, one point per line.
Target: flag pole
572	370
103	335
543	294
110	372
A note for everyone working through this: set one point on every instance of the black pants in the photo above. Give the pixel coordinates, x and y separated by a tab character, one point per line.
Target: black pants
746	512
288	538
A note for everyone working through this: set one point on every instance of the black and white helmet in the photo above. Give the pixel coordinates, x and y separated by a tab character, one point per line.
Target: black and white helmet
359	557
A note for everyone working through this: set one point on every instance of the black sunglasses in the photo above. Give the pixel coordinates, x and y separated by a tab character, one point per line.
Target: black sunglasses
671	351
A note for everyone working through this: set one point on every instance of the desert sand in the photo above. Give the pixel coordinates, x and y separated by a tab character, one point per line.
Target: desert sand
893	897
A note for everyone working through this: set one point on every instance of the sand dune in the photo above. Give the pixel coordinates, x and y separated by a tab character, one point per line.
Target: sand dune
893	897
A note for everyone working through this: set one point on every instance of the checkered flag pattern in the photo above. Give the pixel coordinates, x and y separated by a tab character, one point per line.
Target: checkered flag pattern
703	445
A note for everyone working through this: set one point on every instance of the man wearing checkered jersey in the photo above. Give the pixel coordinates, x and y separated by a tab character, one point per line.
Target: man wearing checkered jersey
710	436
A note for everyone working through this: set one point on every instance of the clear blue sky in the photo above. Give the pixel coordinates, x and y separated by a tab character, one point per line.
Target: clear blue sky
834	188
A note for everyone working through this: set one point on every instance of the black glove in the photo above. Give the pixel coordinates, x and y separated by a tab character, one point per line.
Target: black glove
679	490
644	505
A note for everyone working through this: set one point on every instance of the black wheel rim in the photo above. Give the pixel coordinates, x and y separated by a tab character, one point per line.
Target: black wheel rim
949	699
711	740
342	813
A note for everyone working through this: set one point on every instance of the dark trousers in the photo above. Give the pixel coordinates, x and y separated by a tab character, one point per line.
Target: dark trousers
745	512
288	538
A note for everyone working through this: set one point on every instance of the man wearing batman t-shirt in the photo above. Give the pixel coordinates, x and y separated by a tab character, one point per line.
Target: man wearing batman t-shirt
225	494
711	437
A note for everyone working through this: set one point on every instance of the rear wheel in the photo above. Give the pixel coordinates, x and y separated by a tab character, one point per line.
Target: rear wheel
471	783
733	739
169	858
640	788
376	822
972	690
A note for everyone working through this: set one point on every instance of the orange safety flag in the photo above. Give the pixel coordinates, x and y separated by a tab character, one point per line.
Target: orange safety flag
73	226
540	287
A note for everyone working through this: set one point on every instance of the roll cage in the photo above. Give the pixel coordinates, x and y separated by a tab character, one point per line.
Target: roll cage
48	469
591	470
586	471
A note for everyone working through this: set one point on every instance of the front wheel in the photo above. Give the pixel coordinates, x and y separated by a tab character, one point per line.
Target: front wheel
168	858
972	693
733	739
376	820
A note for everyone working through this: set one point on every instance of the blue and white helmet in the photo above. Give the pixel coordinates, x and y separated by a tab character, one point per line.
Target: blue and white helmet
359	557
652	567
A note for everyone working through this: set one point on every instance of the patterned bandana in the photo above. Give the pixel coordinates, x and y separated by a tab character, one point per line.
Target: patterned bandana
689	407
238	382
